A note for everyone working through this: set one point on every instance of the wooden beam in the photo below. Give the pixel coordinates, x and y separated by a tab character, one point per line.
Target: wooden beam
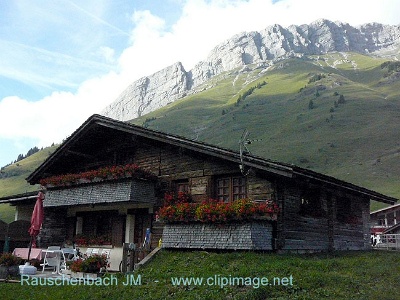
80	154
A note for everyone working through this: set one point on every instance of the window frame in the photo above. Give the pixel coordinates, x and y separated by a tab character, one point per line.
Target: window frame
230	191
182	186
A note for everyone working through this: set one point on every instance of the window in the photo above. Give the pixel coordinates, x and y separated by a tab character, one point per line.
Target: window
96	224
182	187
231	188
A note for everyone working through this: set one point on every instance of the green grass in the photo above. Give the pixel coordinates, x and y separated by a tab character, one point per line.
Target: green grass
7	213
15	182
346	275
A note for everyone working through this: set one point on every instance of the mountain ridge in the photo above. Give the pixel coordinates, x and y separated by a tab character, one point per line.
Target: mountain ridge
255	49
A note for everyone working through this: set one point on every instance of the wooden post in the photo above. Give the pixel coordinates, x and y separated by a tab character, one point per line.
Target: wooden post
331	221
125	250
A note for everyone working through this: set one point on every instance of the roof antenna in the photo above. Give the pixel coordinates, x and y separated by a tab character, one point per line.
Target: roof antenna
243	142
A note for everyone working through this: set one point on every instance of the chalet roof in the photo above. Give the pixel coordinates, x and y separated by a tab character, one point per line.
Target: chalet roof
388	209
98	130
29	197
391	229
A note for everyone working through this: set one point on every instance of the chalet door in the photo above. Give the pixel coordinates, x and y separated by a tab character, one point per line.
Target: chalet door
139	225
142	222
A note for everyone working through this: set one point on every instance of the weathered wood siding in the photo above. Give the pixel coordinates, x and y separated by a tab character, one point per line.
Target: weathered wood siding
301	233
259	188
174	164
354	233
304	233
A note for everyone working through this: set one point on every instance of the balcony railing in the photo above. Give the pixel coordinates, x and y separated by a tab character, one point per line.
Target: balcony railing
389	242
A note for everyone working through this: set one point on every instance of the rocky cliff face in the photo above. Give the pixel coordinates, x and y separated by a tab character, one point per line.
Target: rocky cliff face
149	93
252	48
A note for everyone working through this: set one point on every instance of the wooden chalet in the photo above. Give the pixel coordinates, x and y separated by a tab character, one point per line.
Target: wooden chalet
316	212
386	220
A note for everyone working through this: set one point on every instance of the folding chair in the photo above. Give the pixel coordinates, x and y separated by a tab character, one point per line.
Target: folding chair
53	258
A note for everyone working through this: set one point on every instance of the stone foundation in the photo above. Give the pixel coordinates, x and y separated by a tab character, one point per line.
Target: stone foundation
235	236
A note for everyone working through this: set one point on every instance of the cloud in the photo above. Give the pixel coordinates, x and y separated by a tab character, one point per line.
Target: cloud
56	116
151	46
108	53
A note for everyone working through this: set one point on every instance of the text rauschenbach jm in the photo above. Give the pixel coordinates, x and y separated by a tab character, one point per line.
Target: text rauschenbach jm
132	280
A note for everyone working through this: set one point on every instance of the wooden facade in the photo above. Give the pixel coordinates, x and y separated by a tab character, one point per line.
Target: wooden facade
386	220
317	212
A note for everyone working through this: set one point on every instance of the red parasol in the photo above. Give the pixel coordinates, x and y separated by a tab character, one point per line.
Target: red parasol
36	221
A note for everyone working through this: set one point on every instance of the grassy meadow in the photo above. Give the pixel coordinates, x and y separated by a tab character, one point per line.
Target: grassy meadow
344	275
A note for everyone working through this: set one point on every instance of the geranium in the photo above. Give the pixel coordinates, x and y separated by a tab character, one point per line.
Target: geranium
171	198
94	263
85	240
114	172
76	265
91	264
215	211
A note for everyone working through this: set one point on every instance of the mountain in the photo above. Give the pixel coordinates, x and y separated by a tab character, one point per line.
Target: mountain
254	50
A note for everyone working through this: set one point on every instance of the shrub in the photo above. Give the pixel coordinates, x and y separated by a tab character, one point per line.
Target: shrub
8	260
92	264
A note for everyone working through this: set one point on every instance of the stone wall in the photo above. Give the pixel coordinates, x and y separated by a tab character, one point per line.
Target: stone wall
236	236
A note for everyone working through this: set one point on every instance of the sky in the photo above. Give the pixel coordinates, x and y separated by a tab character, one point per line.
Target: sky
62	61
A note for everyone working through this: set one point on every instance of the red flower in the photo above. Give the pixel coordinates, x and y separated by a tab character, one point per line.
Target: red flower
213	210
115	172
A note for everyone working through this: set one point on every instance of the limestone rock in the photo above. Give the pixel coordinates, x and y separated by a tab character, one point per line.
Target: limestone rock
260	49
149	93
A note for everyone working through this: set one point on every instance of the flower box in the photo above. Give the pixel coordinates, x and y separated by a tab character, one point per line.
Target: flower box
214	211
90	275
77	274
83	275
98	175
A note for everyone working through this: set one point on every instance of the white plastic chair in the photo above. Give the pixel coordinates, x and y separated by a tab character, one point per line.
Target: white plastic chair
53	258
69	254
106	252
95	251
88	252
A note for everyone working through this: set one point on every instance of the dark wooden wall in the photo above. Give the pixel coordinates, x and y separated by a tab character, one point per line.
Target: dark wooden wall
330	229
174	164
